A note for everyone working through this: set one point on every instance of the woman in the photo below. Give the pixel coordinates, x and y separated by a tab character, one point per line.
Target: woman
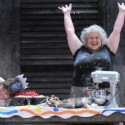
94	51
8	88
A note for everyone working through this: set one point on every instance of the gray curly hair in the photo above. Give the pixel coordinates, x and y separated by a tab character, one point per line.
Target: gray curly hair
94	28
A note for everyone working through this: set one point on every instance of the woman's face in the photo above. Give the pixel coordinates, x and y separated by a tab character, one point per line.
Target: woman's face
94	41
4	92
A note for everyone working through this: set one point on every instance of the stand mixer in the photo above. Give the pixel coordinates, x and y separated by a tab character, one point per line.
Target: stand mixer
112	77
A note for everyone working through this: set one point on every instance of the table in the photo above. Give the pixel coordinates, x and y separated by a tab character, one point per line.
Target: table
115	118
39	114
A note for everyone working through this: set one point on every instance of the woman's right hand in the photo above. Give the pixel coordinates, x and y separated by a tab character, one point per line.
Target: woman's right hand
66	9
121	7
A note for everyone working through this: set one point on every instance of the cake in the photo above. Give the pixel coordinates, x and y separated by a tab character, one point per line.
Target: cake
29	94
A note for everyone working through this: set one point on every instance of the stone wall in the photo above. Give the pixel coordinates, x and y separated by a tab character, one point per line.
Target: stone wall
6	38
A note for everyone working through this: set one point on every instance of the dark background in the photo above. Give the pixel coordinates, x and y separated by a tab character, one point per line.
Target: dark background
48	64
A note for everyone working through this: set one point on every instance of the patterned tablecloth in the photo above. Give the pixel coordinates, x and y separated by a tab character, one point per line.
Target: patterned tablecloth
29	111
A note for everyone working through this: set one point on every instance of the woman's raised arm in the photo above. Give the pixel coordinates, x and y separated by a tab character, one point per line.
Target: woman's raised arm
114	38
73	41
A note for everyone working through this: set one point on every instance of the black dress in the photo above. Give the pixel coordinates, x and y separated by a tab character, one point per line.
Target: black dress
85	62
